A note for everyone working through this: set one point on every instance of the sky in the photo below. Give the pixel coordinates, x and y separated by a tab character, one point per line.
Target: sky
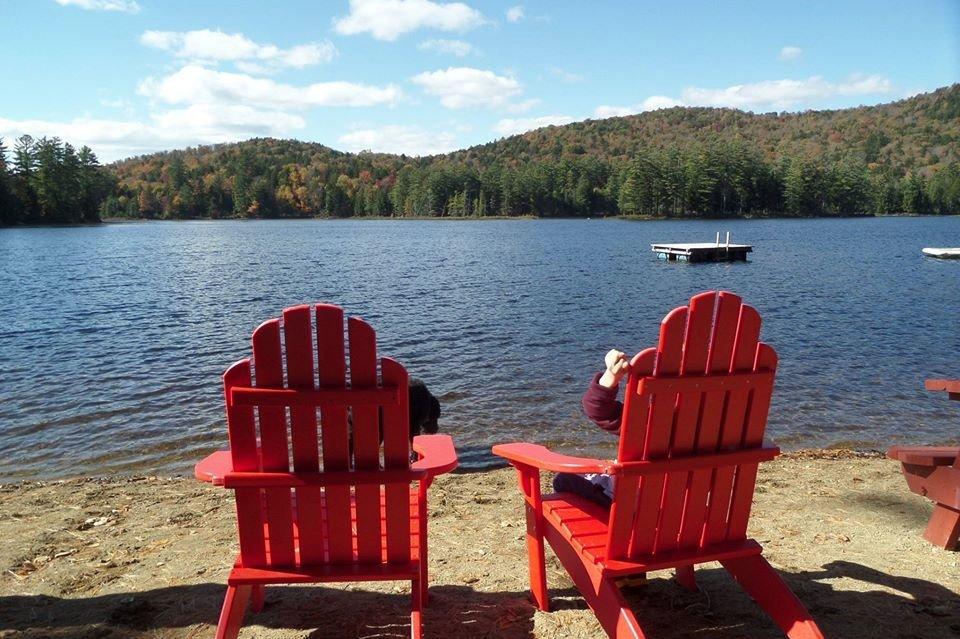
420	77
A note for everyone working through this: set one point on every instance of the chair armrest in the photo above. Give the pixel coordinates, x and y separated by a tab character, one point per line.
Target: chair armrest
949	385
545	459
925	455
437	454
214	467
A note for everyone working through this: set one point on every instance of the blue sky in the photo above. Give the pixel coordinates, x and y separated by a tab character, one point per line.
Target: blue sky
423	76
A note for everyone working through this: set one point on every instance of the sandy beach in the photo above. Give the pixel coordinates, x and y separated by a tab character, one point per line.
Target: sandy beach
148	557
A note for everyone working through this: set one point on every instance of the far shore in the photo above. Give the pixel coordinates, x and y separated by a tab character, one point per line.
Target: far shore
471	218
147	556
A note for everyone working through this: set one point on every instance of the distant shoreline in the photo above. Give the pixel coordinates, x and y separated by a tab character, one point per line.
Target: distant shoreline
468	218
448	218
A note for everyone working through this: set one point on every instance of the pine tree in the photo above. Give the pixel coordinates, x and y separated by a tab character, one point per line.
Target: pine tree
914	196
9	206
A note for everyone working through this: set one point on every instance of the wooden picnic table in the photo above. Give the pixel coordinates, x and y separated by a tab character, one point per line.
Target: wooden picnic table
934	472
950	386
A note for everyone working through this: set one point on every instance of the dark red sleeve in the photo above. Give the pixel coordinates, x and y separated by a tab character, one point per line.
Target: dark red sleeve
601	406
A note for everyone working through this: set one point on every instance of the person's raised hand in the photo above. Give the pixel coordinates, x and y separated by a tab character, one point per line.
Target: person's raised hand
617	365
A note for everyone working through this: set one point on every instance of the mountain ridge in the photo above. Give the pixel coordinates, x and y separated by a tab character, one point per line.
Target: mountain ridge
898	157
945	104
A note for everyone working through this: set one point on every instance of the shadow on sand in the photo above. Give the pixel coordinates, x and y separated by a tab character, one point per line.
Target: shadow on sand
896	607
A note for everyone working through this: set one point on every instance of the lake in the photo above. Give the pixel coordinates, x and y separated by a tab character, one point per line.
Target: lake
113	338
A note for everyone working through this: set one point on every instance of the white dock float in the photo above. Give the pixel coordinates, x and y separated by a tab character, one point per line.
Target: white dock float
943	253
703	251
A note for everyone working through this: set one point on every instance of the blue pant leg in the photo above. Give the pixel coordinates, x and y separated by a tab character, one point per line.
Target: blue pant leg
581	486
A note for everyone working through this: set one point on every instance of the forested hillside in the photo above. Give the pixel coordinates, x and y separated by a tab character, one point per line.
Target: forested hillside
679	162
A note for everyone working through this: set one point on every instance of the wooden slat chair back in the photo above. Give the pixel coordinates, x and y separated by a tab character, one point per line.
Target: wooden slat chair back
293	371
701	395
691	439
320	462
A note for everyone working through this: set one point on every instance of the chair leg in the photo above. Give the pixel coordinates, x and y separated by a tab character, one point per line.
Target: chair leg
686	578
424	584
607	602
944	527
768	589
601	593
613	612
416	614
257	597
537	560
231	616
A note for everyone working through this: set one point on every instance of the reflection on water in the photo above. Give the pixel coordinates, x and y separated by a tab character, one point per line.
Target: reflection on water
113	338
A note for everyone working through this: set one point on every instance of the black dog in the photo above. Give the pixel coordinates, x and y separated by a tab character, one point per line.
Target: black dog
424	409
424	412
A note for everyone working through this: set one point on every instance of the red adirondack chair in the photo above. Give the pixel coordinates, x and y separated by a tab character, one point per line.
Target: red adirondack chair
934	472
691	439
339	513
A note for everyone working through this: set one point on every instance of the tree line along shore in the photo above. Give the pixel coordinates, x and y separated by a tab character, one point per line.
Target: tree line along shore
895	158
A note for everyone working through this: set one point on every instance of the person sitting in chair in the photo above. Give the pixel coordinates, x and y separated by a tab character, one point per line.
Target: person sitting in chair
601	406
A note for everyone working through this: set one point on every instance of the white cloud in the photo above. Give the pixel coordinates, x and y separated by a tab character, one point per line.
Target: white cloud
216	46
790	53
510	126
461	87
652	103
389	19
778	95
208	107
126	6
515	14
458	48
199	124
115	103
785	94
411	140
566	76
211	122
194	84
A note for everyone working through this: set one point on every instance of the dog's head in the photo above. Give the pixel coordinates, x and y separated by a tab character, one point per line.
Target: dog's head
424	409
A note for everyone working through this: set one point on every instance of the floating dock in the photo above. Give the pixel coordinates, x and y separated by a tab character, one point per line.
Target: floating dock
943	253
703	251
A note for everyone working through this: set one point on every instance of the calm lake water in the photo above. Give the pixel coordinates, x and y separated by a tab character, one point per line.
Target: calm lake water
113	338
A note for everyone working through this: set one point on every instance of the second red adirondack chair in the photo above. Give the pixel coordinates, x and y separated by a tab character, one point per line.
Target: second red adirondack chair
337	513
691	439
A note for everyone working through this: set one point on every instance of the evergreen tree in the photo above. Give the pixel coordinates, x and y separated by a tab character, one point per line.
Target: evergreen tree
943	190
914	195
9	205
